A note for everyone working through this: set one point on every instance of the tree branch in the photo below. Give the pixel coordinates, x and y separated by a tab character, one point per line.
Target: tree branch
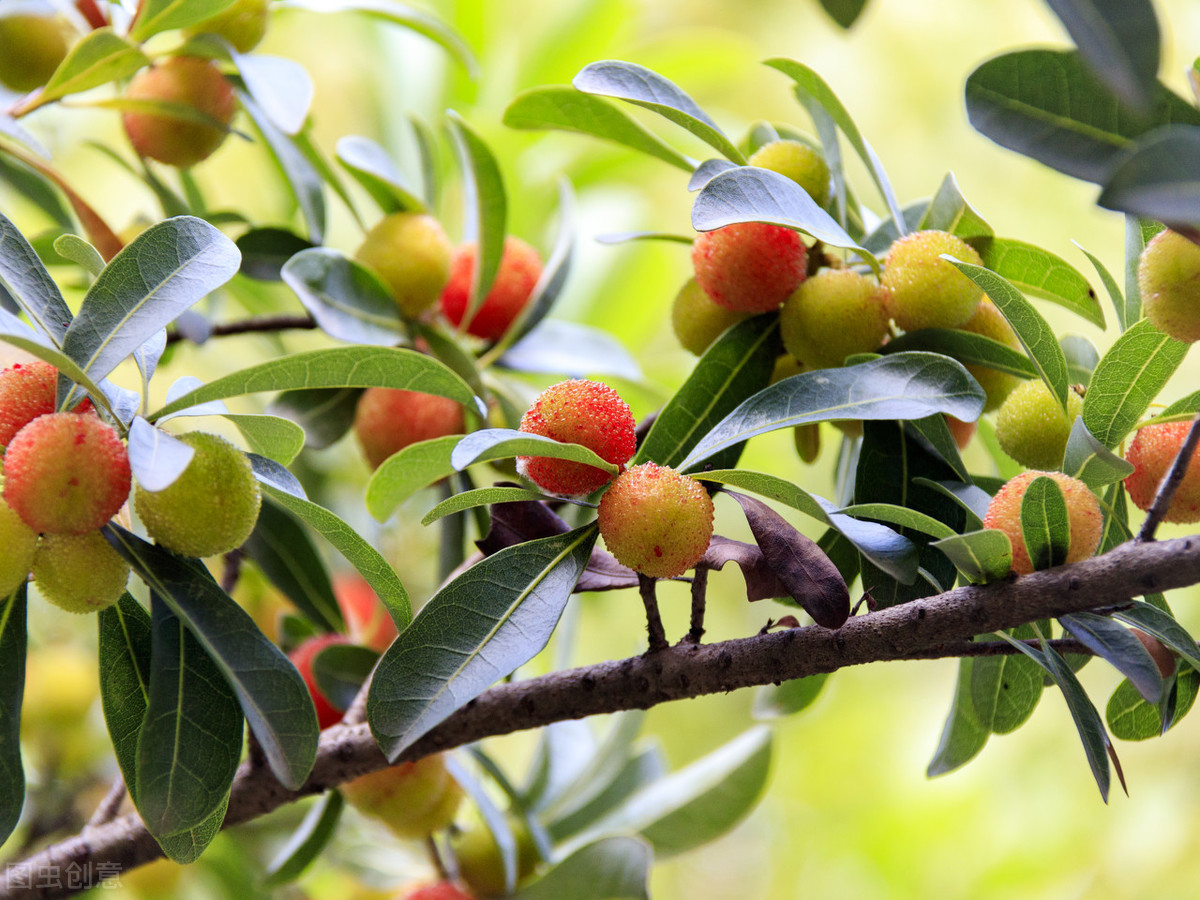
921	629
251	326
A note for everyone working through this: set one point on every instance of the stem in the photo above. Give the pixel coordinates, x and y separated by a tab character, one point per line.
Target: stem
654	624
699	595
451	550
435	859
233	569
251	326
110	805
1170	484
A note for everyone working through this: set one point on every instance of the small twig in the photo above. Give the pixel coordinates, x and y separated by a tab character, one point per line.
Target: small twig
699	595
356	713
435	859
251	326
654	624
1170	484
233	569
110	805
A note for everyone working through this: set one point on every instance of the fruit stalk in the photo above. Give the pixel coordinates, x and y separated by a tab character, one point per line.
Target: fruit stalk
654	623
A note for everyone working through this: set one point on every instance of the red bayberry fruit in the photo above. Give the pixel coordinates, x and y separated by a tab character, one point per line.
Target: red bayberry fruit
388	419
1083	514
27	391
302	658
172	139
520	269
1151	453
749	267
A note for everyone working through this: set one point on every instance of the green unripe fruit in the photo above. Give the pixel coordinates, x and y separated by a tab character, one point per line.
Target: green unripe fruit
929	292
479	862
80	573
414	799
172	139
990	322
799	162
211	508
698	320
1086	523
1169	281
19	542
835	313
243	24
411	253
656	521
1152	453
1032	427
31	47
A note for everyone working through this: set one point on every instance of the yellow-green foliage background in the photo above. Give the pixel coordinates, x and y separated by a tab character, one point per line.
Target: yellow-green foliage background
849	813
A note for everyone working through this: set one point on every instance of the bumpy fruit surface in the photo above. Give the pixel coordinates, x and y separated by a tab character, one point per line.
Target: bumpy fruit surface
411	253
27	391
368	621
750	267
243	24
1169	280
1086	523
479	861
80	573
443	890
990	322
413	799
1032	427
1151	452
18	541
66	474
171	139
302	658
31	47
211	508
578	412
797	161
656	521
388	419
835	313
928	292
697	320
520	269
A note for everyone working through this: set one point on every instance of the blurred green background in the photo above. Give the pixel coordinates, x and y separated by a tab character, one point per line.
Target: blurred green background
849	813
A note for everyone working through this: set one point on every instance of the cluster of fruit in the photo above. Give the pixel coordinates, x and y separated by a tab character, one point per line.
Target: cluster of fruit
67	473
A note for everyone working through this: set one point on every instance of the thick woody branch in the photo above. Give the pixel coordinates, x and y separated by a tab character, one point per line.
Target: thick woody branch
934	626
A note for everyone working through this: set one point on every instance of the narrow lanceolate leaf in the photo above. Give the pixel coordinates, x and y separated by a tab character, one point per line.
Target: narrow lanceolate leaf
269	690
124	649
554	274
811	85
26	280
1039	273
191	739
965	346
963	736
373	167
156	458
1032	330
281	87
1117	644
981	556
571	349
1081	355
476	498
99	58
901	386
12	662
566	109
1048	104
1045	526
702	176
1127	379
1138	233
308	841
339	367
301	175
403	474
1090	461
1005	689
736	366
902	516
340	670
777	701
1159	179
271	436
265	250
485	210
1110	287
505	443
155	16
494	617
637	84
166	269
751	194
1119	40
347	299
611	867
950	211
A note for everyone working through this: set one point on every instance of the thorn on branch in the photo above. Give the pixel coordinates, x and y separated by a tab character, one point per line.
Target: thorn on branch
1170	484
654	624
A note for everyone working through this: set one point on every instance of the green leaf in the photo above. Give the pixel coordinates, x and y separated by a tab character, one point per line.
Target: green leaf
167	268
339	367
282	548
971	498
1118	645
1045	526
965	346
1039	273
639	85
485	210
899	515
301	176
642	768
403	474
936	431
324	414
156	457
269	690
949	211
774	701
697	803
963	736
1119	40
981	556
1082	357
611	868
571	349
340	670
811	85
476	498
1159	178
191	739
347	300
1163	626
26	280
281	87
566	109
1182	410
307	842
1090	461
1131	718
15	332
99	58
1110	286
900	386
551	282
124	649
271	436
1138	233
480	627
265	250
155	16
1047	104
735	366
77	250
1127	380
373	168
185	847
504	443
12	659
750	194
360	554
1005	689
